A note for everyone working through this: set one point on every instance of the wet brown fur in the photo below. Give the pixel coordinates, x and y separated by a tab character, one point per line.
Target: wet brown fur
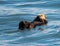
38	21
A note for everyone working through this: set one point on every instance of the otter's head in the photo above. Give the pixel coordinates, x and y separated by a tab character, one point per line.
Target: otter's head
42	16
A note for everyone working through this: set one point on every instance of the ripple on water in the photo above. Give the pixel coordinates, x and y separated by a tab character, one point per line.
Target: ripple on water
11	15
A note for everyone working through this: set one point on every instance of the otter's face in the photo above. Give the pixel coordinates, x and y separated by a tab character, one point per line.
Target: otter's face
42	16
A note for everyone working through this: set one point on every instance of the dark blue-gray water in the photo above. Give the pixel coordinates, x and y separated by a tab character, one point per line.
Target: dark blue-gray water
14	11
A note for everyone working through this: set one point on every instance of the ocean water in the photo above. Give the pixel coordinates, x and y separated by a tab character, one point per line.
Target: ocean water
14	11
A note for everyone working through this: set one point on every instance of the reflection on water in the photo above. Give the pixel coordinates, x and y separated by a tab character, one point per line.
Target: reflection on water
14	11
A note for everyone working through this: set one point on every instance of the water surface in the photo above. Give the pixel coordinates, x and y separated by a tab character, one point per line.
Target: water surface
14	11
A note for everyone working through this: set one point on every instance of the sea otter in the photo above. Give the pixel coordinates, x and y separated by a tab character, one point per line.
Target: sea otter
26	25
38	21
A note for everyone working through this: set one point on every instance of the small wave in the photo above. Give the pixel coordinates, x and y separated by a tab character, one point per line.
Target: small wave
36	44
37	2
54	23
28	44
4	2
26	3
9	11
